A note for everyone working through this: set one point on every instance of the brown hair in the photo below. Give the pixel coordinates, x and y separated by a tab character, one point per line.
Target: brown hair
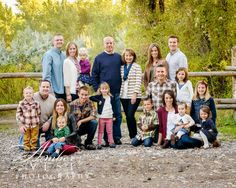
207	110
186	74
149	62
41	81
148	99
68	47
173	37
196	94
55	114
85	88
131	51
172	94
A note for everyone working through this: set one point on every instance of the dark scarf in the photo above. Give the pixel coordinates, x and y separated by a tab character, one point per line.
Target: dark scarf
126	71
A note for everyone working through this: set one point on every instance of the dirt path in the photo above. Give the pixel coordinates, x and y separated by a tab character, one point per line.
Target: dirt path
124	166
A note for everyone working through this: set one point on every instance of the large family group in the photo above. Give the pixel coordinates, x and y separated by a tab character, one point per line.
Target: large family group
173	114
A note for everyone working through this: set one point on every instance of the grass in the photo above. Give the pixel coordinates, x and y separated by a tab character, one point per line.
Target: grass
226	125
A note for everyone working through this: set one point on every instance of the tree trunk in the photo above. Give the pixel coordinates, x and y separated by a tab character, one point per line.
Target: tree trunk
162	6
152	5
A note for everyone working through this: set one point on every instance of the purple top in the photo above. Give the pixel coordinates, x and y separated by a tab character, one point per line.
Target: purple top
85	66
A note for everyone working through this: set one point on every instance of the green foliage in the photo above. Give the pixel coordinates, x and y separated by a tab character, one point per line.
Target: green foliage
226	124
206	29
9	24
11	89
27	47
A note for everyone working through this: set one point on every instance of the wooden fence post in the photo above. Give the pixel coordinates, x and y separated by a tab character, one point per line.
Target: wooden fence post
233	62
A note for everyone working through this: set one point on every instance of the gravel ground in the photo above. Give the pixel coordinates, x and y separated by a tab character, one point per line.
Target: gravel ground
125	166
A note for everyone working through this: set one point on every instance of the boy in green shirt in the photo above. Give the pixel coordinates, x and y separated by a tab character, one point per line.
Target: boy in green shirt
60	132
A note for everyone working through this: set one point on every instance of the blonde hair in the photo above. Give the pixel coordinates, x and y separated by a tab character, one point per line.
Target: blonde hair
106	85
196	94
83	51
59	118
28	88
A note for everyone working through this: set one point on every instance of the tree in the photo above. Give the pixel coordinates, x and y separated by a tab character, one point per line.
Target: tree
9	24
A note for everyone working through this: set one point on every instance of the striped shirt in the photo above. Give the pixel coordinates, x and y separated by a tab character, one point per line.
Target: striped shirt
28	113
133	82
155	90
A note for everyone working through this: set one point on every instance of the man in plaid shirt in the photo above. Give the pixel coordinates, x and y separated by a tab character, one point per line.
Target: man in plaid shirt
28	117
157	87
83	116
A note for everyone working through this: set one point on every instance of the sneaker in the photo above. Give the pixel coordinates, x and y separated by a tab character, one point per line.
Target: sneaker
106	144
99	146
112	145
55	155
216	143
118	142
206	146
172	139
90	147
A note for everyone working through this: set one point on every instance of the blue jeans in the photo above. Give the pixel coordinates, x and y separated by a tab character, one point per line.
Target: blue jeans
147	142
52	148
48	136
187	142
117	123
88	128
130	110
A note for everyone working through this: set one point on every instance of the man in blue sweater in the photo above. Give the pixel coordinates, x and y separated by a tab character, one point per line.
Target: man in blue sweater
52	63
106	68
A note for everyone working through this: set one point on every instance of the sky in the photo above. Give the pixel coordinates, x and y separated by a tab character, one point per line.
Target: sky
10	3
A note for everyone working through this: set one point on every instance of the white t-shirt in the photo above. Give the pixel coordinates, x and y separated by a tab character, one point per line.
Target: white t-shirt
170	124
107	108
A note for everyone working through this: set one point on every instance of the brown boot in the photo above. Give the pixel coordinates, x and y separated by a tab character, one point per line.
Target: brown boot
172	139
216	143
166	144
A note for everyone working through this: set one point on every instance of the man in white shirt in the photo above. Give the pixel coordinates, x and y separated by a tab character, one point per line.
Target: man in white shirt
175	57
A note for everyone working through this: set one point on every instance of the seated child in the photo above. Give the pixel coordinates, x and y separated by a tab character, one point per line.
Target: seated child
60	132
182	122
28	115
208	129
84	77
147	123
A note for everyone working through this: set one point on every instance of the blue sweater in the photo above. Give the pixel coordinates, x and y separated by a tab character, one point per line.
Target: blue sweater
106	68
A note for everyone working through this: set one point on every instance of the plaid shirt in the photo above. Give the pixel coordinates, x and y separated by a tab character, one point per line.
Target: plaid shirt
155	90
28	113
150	119
82	111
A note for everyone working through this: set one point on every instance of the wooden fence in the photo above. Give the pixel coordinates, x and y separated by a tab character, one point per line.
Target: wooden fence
220	103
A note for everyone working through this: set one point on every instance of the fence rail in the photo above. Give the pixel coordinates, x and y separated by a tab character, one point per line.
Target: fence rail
220	103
